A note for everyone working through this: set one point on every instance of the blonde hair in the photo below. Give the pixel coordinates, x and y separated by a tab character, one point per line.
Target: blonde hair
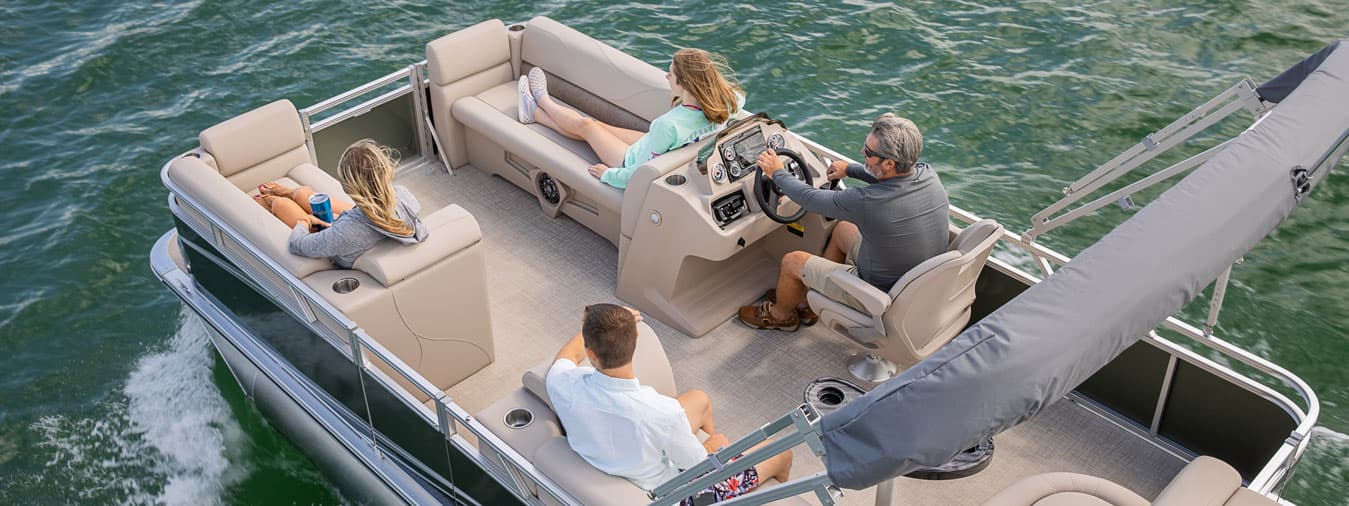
366	169
704	75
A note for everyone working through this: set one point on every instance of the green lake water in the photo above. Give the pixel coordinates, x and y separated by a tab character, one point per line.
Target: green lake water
109	395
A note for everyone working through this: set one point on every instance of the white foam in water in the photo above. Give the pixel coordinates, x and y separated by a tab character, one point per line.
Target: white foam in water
172	441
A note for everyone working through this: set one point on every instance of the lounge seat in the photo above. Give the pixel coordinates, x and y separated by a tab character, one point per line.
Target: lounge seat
1206	481
426	303
473	99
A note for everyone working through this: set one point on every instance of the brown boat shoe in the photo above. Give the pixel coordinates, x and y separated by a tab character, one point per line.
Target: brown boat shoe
803	312
757	315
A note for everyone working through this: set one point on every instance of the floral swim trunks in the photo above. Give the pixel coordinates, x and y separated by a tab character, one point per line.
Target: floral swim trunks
736	485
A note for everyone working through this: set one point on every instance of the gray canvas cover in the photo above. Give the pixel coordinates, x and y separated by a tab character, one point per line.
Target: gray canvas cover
1274	90
1041	345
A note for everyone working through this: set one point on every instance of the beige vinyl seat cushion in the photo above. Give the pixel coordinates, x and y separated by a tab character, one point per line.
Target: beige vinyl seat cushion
427	303
1206	481
240	153
1066	489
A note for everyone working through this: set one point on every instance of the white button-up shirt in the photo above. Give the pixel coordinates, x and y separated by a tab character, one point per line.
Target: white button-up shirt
621	427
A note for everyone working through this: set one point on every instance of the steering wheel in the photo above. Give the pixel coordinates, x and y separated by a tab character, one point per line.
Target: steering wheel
767	193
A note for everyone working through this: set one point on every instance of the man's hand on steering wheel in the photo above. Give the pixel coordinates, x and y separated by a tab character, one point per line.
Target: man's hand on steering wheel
769	162
837	170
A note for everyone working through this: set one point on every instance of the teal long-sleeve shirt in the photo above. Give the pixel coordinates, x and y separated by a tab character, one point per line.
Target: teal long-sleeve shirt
674	129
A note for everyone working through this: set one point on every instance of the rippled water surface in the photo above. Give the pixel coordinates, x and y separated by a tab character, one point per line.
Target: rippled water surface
109	395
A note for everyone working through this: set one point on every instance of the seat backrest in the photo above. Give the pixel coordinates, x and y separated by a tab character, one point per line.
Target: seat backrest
579	61
258	146
461	64
932	301
1206	480
649	363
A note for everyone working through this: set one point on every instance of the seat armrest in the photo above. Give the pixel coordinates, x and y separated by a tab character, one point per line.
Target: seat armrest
634	197
872	299
449	230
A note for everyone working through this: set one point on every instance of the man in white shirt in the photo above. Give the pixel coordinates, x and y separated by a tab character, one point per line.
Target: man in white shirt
629	430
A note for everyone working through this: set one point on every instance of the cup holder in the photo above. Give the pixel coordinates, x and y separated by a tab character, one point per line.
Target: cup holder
830	396
519	418
516	27
676	180
346	285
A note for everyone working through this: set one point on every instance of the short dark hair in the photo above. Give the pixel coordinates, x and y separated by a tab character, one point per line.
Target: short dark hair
610	331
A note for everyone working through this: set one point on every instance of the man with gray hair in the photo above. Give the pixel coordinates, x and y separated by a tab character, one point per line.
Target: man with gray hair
889	226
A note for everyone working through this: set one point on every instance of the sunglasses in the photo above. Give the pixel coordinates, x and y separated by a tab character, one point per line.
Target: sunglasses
869	153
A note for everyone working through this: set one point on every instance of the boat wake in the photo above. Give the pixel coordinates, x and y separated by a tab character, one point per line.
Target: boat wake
1323	475
169	439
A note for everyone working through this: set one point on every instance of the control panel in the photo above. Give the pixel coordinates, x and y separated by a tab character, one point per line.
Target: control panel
729	208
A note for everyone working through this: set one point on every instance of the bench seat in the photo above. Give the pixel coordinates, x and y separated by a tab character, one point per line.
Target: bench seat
492	114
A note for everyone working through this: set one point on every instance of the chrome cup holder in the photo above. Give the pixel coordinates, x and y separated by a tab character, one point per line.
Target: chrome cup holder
518	418
675	180
346	285
516	27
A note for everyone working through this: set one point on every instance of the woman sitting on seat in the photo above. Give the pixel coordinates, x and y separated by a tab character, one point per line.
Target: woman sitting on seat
381	210
703	100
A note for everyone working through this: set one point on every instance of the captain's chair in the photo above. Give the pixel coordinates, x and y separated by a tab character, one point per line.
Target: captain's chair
924	310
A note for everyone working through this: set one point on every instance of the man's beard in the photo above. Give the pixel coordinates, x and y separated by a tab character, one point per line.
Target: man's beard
875	171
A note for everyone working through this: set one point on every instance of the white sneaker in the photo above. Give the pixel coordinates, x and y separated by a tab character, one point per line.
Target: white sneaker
538	83
526	104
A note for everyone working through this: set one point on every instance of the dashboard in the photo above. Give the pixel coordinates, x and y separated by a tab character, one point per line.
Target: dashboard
738	154
730	162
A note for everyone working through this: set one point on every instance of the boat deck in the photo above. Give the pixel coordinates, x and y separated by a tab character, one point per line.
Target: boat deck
543	271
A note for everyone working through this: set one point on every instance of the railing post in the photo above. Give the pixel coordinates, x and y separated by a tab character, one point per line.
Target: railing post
309	137
1216	305
354	339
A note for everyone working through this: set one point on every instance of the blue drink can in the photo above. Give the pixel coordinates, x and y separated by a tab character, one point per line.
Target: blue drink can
323	209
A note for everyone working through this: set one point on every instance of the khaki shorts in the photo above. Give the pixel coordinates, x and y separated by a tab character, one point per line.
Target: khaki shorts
816	275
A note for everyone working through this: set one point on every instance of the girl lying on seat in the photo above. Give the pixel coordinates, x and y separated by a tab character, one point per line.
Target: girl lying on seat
703	100
381	211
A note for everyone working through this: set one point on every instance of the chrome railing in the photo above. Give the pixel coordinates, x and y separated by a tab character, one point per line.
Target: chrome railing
446	416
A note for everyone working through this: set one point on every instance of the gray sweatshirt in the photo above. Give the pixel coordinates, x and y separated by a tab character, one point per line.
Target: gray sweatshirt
352	233
903	220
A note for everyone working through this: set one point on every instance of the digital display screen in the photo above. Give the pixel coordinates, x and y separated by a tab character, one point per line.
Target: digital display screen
748	149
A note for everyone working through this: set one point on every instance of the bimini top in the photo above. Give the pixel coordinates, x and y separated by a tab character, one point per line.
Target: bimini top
1038	347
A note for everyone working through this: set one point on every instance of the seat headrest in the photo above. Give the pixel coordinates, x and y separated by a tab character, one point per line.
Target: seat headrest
253	137
976	234
467	52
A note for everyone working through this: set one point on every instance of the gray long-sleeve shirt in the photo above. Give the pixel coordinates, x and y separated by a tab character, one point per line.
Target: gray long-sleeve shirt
352	233
903	220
